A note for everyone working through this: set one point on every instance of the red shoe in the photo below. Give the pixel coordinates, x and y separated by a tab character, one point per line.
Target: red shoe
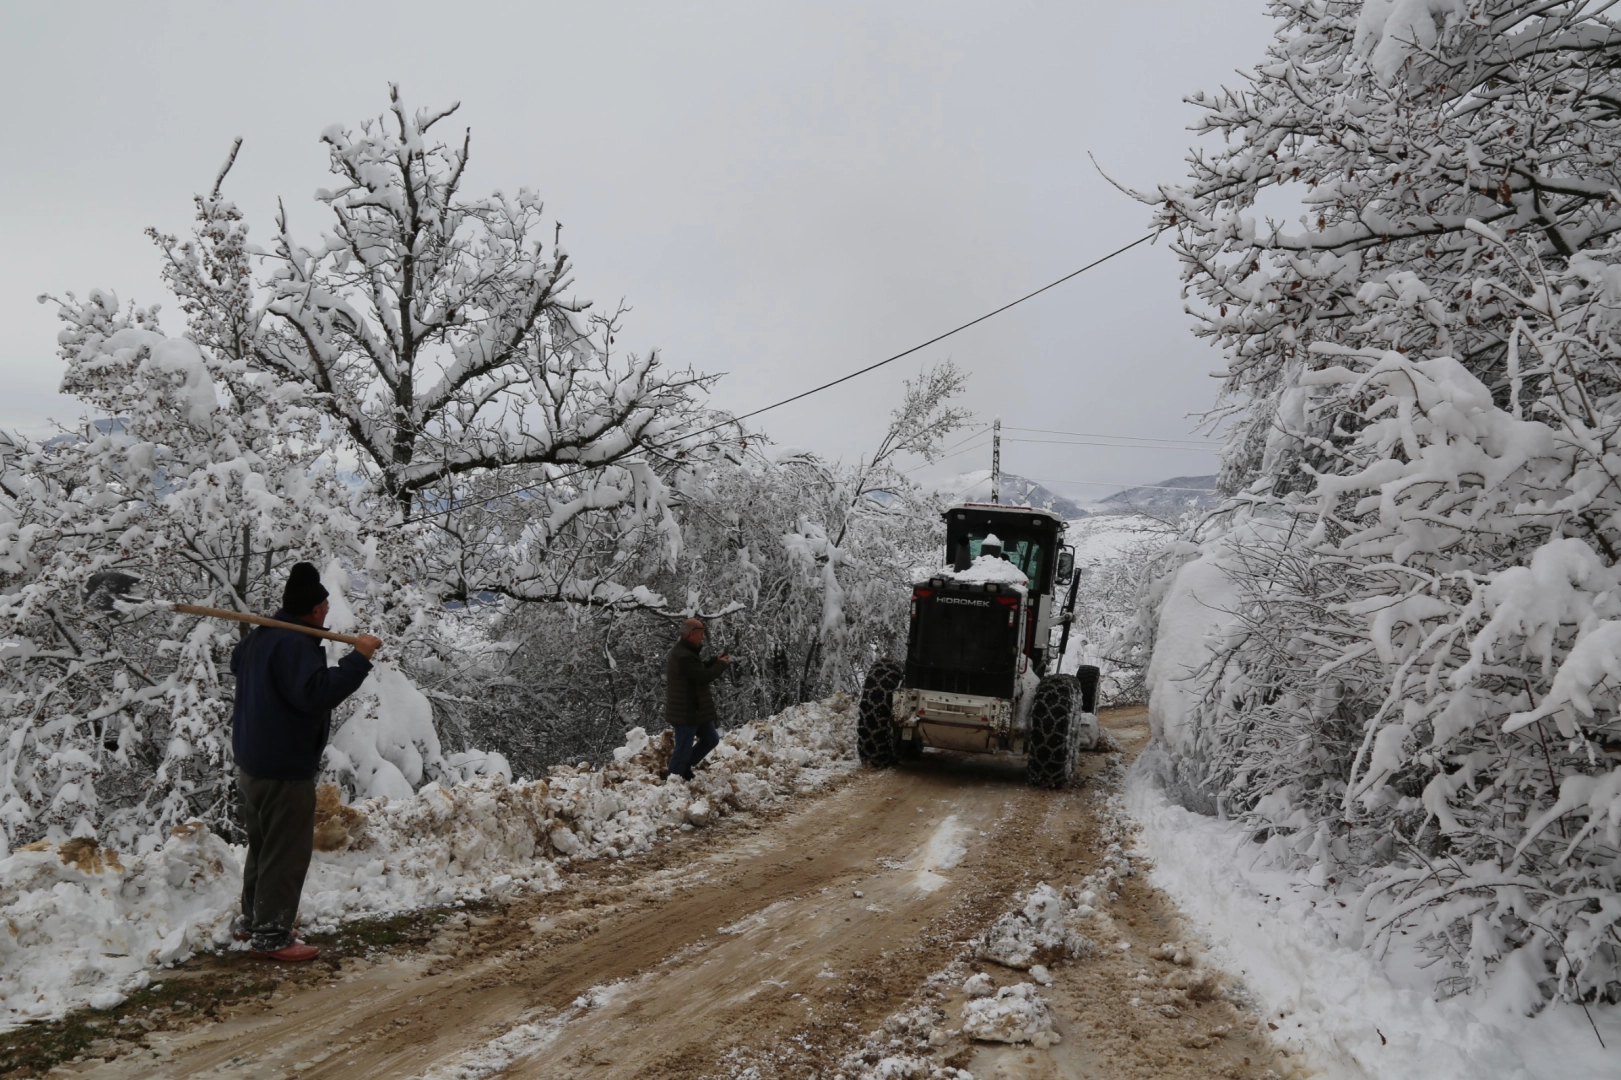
296	953
239	929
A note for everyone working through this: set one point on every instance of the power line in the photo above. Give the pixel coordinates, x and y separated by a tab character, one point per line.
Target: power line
946	454
815	389
974	433
1117	484
1201	443
941	337
947	457
1117	446
964	450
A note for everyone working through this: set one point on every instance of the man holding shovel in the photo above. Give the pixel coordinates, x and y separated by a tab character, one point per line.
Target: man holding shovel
285	693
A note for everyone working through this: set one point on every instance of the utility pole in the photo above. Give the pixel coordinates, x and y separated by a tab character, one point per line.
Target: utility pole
996	461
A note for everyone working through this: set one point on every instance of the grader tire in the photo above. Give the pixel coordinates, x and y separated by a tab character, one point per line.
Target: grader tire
1054	725
1089	677
1090	736
876	743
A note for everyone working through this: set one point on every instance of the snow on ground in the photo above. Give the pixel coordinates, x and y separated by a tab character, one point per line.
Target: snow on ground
83	924
945	850
1016	1014
1353	1015
525	1040
908	1044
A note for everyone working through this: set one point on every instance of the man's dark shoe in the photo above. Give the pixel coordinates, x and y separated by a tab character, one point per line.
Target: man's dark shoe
293	953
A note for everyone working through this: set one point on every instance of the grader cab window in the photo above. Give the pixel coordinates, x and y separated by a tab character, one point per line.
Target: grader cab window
1027	553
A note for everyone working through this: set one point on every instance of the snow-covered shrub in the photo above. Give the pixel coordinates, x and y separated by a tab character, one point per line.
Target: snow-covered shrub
1399	661
1419	686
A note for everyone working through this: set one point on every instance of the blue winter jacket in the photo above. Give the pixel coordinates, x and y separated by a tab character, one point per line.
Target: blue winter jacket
285	694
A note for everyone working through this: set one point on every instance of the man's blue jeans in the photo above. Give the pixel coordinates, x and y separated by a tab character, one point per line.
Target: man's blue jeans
685	757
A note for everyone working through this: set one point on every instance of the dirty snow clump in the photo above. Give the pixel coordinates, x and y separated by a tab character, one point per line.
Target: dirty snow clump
1016	1014
898	1049
910	1067
1040	930
978	986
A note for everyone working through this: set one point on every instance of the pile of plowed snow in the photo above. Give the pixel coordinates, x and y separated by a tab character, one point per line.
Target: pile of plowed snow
80	925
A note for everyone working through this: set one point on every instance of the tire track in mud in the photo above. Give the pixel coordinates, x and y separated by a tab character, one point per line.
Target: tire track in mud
765	948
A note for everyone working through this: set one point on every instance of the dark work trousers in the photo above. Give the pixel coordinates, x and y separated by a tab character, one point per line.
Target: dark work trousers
280	816
683	759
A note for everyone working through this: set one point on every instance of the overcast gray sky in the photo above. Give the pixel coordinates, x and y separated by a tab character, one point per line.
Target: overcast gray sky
783	192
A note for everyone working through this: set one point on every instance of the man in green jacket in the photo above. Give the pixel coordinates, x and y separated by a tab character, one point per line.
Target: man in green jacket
689	707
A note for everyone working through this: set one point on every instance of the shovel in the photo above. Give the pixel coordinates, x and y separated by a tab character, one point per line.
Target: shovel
106	590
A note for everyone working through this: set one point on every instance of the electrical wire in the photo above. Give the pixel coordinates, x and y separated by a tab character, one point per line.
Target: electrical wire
1117	484
1201	443
958	453
1117	446
941	337
815	389
976	431
948	457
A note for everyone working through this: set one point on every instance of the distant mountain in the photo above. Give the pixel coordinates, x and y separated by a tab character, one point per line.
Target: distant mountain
1167	499
1016	491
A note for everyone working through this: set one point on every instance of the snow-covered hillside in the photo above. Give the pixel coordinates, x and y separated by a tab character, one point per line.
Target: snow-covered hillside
1168	500
975	486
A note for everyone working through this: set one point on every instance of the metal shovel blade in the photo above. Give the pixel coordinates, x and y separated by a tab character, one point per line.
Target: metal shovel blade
106	587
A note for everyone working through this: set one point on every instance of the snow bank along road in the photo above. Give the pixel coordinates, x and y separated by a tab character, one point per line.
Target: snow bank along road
796	945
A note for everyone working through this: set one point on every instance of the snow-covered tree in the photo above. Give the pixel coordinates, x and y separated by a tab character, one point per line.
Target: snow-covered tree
1376	133
1404	664
428	342
805	562
438	331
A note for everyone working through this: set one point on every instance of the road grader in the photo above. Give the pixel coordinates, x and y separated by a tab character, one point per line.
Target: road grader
981	672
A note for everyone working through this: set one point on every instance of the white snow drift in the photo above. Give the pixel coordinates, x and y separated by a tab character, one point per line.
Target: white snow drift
81	925
1355	1015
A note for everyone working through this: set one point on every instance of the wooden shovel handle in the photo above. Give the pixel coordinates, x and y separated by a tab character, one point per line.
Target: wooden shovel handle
260	620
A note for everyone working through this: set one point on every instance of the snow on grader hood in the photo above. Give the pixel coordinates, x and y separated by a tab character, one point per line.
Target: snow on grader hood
981	671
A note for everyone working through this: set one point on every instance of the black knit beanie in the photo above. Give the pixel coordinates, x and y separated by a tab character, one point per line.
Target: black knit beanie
304	590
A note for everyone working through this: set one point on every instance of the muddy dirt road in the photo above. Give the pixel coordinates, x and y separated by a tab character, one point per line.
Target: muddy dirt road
766	948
